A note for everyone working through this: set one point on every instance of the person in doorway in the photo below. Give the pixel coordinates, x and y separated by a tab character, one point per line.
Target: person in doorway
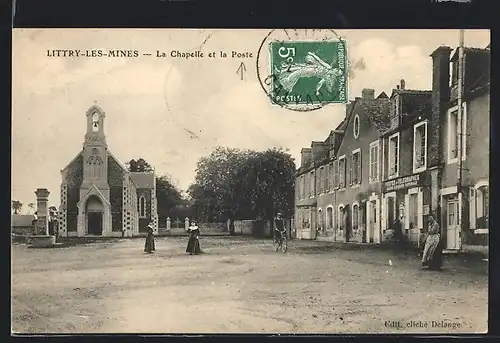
193	246
149	246
397	230
432	255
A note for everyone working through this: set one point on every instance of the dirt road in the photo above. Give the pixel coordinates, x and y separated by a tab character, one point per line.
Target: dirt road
241	286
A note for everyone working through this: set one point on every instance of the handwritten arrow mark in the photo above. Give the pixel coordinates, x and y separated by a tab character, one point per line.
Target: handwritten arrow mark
241	70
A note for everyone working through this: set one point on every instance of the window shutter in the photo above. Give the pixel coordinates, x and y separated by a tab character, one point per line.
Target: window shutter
383	217
407	212
472	209
376	230
349	170
367	221
360	176
420	210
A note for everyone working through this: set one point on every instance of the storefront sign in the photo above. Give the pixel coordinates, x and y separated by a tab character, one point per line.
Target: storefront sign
403	183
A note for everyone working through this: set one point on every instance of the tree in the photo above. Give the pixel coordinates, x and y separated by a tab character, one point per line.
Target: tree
211	194
231	183
169	199
264	185
16	206
139	165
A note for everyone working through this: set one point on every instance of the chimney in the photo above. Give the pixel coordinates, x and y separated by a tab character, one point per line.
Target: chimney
318	150
440	101
397	86
402	83
305	157
368	93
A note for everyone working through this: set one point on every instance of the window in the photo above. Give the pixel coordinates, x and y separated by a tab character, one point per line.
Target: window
413	210
453	213
311	184
336	174
318	180
331	181
454	133
94	164
420	147
342	172
321	222
393	164
329	218
454	73
482	207
142	207
355	126
340	217
356	167
95	122
326	184
306	185
373	173
302	186
355	216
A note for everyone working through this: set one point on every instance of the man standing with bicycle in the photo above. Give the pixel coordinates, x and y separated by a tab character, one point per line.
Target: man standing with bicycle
279	228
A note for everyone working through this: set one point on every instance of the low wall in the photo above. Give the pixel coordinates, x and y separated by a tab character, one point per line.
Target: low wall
207	229
250	227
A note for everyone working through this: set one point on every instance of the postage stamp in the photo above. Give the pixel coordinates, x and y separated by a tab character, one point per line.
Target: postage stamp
308	72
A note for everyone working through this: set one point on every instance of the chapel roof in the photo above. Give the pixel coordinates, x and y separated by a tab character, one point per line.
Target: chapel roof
143	179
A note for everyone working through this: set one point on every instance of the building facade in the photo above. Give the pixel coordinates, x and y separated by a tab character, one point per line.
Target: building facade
394	161
406	182
357	170
465	152
99	196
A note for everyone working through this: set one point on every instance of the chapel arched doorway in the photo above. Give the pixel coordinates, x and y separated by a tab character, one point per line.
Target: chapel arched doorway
94	210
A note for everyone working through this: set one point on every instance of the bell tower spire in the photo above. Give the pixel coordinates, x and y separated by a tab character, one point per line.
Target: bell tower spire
95	154
95	127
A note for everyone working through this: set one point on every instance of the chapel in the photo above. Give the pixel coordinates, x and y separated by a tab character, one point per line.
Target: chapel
99	196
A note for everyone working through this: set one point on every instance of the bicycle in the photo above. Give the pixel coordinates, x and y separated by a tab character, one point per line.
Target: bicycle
280	242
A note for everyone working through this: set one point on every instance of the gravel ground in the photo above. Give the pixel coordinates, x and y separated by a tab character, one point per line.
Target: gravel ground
240	285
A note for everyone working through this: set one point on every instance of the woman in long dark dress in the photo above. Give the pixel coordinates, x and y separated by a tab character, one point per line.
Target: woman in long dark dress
149	246
433	252
193	246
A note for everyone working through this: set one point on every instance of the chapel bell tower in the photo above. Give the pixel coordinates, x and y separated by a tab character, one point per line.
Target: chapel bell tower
95	153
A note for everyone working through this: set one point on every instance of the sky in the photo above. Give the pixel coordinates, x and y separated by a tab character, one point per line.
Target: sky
173	111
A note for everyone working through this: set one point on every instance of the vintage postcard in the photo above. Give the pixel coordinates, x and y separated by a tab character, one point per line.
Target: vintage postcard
250	181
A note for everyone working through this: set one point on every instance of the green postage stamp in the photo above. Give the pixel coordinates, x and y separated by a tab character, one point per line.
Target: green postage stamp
308	72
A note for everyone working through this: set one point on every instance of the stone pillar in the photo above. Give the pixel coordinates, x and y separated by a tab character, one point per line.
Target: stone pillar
169	224
42	199
186	223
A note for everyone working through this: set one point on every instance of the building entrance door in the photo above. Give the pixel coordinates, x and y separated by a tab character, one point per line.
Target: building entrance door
371	215
95	223
453	225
